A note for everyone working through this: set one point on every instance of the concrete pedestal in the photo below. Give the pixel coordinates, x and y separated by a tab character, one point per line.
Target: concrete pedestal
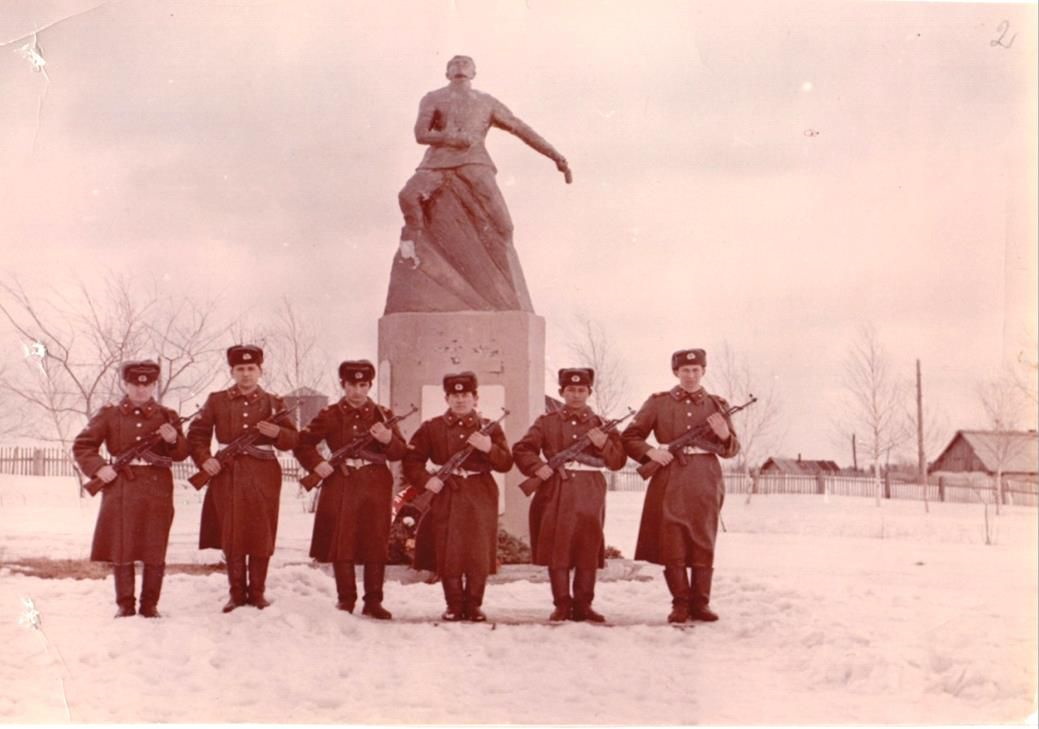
506	350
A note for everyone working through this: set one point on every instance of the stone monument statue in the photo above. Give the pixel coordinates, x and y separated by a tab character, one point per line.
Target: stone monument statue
457	298
456	251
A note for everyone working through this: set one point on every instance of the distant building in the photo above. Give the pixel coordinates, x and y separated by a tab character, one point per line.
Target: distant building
799	467
1015	452
304	403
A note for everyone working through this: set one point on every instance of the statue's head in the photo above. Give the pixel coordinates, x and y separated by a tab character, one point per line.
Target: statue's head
461	67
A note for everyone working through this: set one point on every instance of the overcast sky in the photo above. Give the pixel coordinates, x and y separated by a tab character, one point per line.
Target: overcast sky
767	175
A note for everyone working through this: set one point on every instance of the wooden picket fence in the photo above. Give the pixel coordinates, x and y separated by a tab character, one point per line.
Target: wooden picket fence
53	461
23	461
1024	493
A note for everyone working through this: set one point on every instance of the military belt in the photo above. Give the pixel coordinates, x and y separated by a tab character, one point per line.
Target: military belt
694	451
359	462
576	466
264	452
143	462
465	473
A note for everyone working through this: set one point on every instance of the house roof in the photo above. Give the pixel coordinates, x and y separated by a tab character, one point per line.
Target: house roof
305	392
800	466
1018	449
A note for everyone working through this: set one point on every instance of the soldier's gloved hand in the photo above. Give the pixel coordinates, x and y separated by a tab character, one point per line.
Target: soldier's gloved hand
597	437
268	428
544	473
480	442
323	469
381	433
211	466
435	485
106	473
168	433
660	455
718	425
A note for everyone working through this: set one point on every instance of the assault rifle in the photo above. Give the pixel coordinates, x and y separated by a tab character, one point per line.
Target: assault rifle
417	508
234	448
568	454
352	450
124	459
694	437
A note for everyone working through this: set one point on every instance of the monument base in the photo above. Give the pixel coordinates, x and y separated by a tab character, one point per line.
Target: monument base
506	350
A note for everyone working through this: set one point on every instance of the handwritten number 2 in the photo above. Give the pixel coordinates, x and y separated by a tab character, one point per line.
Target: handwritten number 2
1002	29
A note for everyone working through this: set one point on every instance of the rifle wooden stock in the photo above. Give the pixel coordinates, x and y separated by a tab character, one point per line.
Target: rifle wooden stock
566	455
529	486
232	449
310	480
94	485
200	479
351	449
459	457
419	506
416	509
648	469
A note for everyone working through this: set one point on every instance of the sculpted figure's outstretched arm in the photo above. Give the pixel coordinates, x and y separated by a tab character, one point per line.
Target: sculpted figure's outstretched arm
505	119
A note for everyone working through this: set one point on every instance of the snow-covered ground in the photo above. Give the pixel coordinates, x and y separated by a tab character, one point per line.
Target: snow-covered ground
832	612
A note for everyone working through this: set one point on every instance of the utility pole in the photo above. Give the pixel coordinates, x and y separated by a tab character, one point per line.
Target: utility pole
921	457
854	455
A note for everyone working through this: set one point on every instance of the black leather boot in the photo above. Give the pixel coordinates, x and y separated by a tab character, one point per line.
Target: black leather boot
374	576
454	597
584	593
678	583
559	579
236	583
124	576
474	588
700	595
258	581
346	585
151	586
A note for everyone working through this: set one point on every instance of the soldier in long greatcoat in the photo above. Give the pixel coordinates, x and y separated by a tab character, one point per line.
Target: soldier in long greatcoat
458	538
354	508
567	514
240	510
684	499
133	523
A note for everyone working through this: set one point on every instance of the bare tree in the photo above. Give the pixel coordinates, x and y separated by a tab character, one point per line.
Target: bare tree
1005	406
72	350
874	400
592	348
298	361
73	345
759	426
188	345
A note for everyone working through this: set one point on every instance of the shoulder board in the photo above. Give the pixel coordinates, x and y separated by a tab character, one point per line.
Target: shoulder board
663	393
